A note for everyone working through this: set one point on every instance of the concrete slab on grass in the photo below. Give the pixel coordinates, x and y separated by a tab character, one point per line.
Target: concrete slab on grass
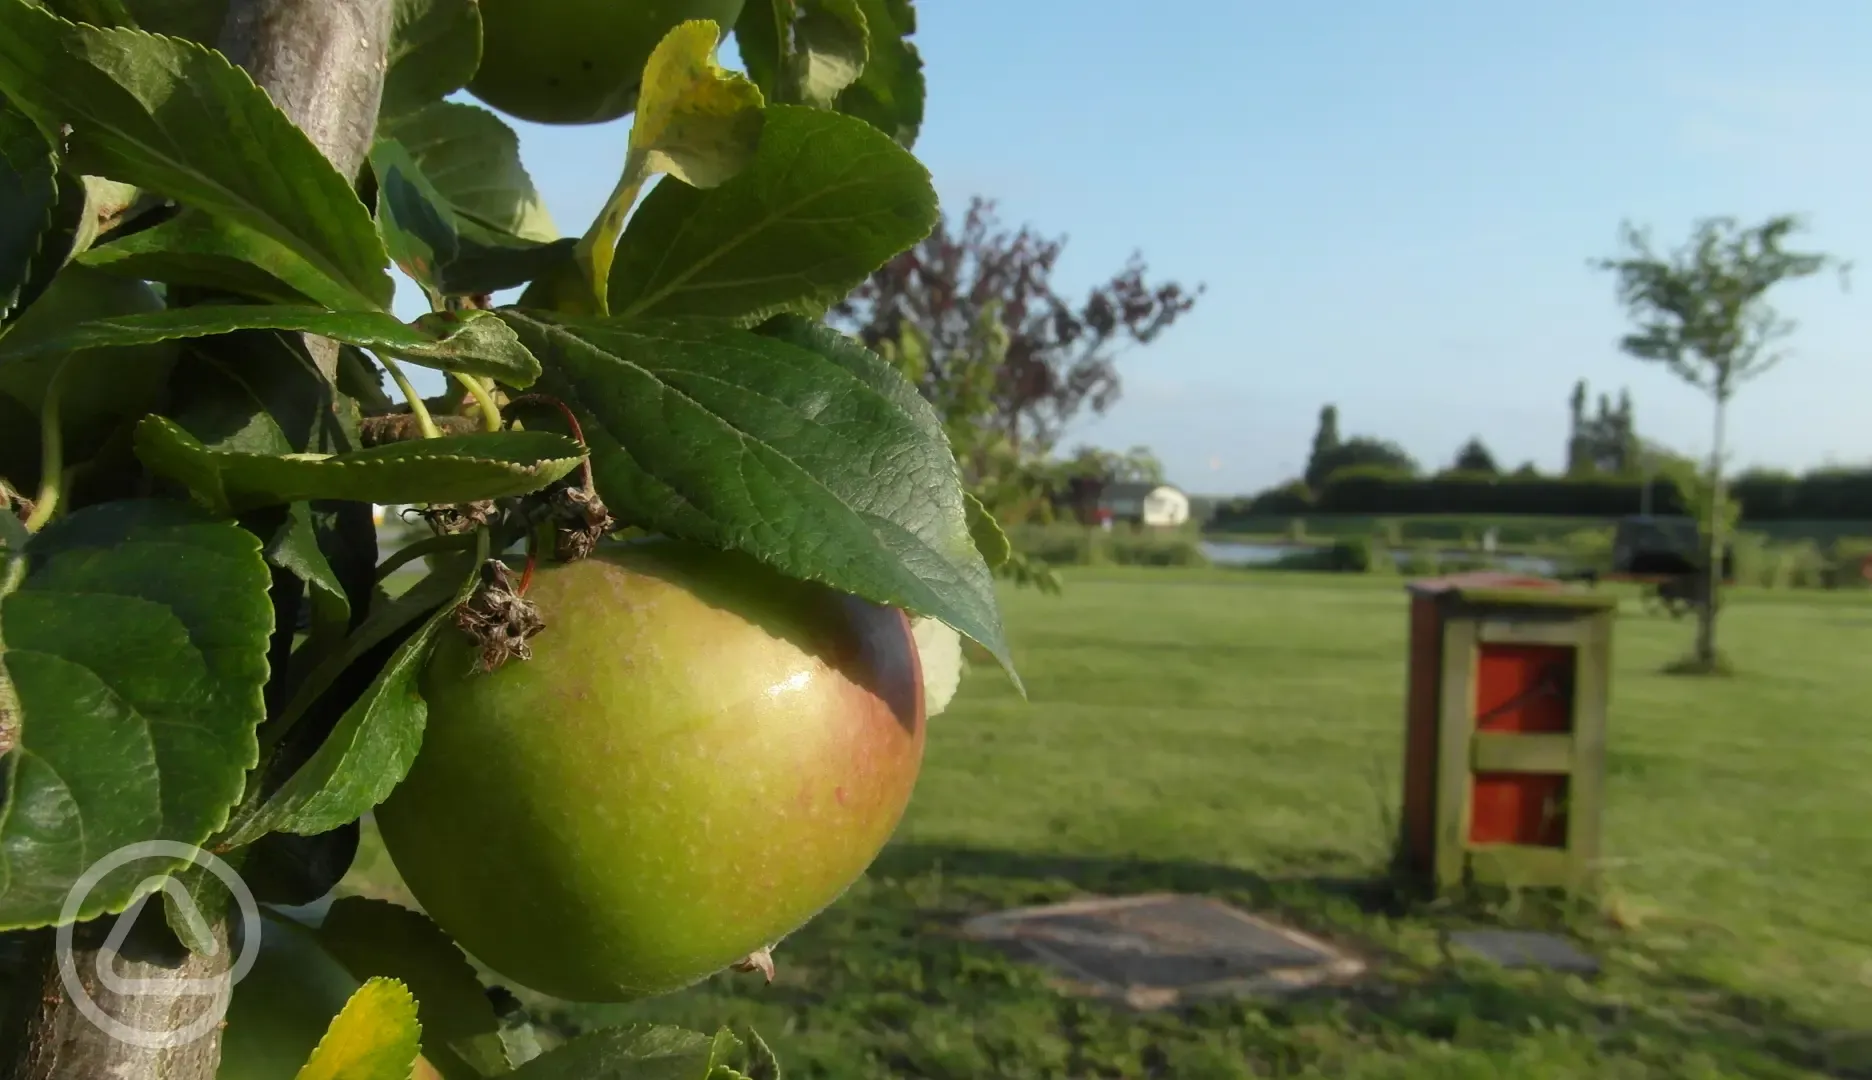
1526	949
1164	949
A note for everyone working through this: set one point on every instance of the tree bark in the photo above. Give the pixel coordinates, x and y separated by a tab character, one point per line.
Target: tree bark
323	63
1713	531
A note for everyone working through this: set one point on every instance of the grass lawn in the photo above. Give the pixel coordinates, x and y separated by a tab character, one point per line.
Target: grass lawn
1239	734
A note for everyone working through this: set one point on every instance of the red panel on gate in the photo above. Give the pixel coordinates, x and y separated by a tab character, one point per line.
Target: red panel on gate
1527	689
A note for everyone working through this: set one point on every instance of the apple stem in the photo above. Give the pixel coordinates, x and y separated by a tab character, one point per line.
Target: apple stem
578	433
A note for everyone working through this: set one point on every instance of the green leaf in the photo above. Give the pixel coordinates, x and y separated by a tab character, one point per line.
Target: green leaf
291	870
174	117
374	938
196	20
827	200
803	450
435	47
451	469
95	12
634	1053
889	94
830	42
761	37
369	751
201	251
473	342
28	197
444	253
133	639
986	532
375	1037
762	1064
473	160
696	121
803	51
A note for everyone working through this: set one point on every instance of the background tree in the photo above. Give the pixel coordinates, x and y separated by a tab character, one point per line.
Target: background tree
1325	444
1061	356
1137	465
1702	311
1362	452
1474	457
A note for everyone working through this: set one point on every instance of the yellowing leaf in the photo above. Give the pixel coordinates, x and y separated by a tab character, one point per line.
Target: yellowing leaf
375	1037
696	121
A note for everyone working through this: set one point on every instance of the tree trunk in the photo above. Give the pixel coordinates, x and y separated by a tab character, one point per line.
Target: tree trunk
1713	531
323	63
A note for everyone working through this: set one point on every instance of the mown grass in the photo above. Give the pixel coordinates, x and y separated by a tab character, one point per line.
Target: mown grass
1239	735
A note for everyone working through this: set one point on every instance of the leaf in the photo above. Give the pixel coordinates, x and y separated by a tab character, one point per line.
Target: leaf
201	251
827	200
761	38
803	51
762	1064
178	118
889	94
472	342
634	1053
133	640
369	751
807	452
451	469
473	160
435	47
324	696
696	121
374	938
196	20
28	197
291	870
375	1037
444	253
986	532
95	12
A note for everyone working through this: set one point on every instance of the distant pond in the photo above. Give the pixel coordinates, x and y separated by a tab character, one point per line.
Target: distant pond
1244	553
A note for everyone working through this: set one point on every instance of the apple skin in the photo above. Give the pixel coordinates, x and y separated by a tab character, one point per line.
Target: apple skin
281	1010
577	61
701	755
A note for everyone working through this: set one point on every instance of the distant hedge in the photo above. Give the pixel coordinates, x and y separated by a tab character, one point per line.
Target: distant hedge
1824	495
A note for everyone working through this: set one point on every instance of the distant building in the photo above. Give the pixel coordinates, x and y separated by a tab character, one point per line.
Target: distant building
1157	505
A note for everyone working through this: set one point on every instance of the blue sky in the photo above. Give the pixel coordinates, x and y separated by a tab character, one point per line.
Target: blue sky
1393	204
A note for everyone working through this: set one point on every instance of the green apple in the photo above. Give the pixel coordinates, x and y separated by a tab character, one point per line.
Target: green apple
577	61
699	757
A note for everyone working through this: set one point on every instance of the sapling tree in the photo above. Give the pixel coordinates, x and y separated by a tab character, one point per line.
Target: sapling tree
1702	311
676	532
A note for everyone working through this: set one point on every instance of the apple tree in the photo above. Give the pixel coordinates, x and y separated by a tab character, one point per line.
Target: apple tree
646	689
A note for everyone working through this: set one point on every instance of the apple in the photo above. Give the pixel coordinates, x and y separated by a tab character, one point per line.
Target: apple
577	61
699	757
